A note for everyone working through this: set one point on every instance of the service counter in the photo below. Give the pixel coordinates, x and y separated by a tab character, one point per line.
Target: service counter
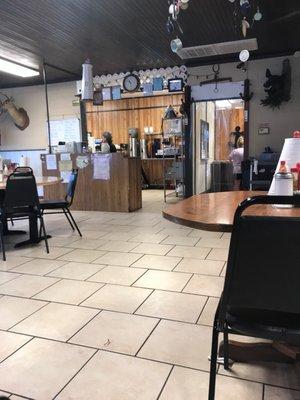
106	182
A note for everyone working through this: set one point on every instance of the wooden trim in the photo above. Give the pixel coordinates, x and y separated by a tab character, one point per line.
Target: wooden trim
130	109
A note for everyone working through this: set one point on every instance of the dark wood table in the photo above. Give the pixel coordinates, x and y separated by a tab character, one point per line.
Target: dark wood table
215	212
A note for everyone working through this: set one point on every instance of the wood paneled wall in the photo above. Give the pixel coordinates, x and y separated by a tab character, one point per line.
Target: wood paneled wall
120	115
226	121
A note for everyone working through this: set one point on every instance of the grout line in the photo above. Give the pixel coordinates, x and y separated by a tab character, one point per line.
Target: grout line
23	319
205	304
192	275
148	337
19	348
146	298
80	369
82	327
164	385
96	291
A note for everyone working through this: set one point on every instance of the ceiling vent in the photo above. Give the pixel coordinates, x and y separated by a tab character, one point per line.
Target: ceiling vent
216	49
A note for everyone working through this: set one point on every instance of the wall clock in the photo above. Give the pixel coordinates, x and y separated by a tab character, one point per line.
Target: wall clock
131	83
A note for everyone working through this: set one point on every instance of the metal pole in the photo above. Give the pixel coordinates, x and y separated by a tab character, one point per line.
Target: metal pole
47	107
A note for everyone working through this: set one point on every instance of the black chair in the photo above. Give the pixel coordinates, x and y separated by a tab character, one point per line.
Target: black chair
64	205
22	170
21	200
261	296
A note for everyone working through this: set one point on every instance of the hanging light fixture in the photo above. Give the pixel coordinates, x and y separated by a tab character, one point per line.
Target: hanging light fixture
87	89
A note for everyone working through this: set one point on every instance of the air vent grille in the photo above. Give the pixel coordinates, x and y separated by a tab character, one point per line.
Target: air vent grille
217	49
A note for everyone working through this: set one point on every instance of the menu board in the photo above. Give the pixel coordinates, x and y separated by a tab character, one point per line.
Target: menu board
65	130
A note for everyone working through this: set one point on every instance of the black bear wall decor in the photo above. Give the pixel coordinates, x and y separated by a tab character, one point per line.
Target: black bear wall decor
278	87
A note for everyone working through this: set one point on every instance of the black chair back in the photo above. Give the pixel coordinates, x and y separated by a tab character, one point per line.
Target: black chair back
21	192
71	187
24	170
263	272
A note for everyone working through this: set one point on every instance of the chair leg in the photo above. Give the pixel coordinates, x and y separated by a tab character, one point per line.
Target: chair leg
12	222
2	243
226	349
73	220
45	234
68	218
213	364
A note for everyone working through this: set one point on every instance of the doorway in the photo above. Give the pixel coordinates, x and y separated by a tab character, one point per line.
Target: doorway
217	125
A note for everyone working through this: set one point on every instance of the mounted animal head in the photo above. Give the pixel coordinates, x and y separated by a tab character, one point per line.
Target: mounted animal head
278	87
18	115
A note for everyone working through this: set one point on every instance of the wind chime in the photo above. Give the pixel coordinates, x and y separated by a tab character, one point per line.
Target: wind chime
172	25
249	13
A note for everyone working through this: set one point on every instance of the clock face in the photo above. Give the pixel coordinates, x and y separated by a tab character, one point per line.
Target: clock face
131	83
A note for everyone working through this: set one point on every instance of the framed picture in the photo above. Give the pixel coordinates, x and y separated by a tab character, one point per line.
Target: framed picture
175	85
158	84
148	88
116	92
204	140
106	93
98	99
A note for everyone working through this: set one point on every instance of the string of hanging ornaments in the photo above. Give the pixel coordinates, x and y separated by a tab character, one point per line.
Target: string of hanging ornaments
246	13
173	26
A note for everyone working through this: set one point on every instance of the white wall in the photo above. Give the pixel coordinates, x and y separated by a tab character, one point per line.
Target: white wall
32	98
283	121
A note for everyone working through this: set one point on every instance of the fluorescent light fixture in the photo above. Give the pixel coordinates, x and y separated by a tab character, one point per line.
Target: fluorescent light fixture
17	69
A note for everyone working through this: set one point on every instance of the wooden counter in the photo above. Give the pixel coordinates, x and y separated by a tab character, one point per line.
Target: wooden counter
121	192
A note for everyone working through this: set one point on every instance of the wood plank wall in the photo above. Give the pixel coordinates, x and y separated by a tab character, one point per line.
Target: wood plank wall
120	115
226	121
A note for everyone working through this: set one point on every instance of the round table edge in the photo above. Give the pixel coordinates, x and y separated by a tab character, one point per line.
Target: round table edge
198	224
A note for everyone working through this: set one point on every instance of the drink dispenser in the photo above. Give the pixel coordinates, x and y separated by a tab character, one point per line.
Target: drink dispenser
133	142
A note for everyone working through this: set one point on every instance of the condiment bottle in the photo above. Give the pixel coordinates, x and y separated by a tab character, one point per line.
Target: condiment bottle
298	168
295	173
283	168
283	184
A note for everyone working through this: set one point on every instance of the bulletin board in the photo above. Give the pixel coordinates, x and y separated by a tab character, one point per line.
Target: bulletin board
65	130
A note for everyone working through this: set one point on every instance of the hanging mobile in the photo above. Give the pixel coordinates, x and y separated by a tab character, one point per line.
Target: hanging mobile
245	26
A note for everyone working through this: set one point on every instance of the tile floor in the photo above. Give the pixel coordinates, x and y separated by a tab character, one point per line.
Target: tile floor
124	313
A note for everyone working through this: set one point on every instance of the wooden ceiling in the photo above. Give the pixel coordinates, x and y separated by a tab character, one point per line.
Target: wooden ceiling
122	35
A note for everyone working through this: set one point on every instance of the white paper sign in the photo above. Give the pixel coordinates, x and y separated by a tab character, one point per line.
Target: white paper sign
65	176
102	166
65	130
291	154
65	157
51	161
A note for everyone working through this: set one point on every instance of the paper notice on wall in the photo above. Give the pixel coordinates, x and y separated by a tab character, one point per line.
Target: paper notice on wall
65	157
65	165
51	162
291	154
102	166
65	176
82	161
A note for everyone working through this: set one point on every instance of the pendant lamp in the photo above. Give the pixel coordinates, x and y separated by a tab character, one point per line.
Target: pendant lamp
87	89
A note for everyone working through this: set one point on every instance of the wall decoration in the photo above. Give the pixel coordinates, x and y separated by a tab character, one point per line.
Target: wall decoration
18	115
278	87
158	84
145	76
245	14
